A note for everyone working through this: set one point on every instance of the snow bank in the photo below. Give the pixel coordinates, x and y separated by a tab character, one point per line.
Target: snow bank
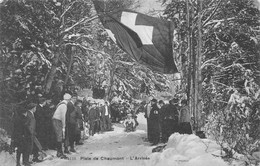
142	122
6	159
188	150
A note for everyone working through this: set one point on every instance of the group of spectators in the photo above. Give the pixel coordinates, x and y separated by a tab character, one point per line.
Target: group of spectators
166	119
44	125
124	112
32	130
120	110
98	115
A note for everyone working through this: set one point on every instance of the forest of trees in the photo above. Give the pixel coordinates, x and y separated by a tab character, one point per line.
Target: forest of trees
49	46
229	80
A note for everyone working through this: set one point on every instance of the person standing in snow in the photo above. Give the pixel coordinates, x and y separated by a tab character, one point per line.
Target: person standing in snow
59	123
120	111
21	137
73	127
70	126
102	117
185	126
41	119
107	116
169	118
34	148
161	104
147	116
155	122
98	119
79	120
93	118
85	108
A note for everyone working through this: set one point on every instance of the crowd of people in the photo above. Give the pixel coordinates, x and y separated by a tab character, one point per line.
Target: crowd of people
166	119
44	125
120	110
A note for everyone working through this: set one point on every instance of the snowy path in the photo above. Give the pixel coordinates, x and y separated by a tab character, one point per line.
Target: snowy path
118	148
110	148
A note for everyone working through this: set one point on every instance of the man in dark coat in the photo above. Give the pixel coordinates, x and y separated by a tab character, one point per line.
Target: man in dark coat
169	117
35	145
77	118
161	105
85	108
93	118
51	139
155	122
41	117
70	126
21	137
113	108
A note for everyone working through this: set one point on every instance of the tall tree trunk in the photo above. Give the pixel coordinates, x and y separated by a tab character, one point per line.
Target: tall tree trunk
52	72
199	81
197	72
192	65
189	57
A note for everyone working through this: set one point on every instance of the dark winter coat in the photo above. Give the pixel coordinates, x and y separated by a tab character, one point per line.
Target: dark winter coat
169	118
170	111
78	117
41	117
70	127
70	110
93	114
21	132
31	125
155	123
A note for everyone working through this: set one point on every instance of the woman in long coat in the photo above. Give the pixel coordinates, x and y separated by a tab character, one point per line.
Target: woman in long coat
155	122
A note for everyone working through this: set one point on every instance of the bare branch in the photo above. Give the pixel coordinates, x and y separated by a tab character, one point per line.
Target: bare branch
86	48
216	82
212	14
207	63
83	20
67	9
218	21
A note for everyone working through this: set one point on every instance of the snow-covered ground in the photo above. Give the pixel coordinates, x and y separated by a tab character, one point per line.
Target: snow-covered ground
117	148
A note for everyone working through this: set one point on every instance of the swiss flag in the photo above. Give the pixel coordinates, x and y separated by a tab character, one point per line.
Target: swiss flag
147	39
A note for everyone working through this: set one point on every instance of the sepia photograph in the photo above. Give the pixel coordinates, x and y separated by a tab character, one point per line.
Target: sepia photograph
129	82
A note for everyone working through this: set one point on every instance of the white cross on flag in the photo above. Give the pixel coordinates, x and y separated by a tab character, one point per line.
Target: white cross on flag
147	39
